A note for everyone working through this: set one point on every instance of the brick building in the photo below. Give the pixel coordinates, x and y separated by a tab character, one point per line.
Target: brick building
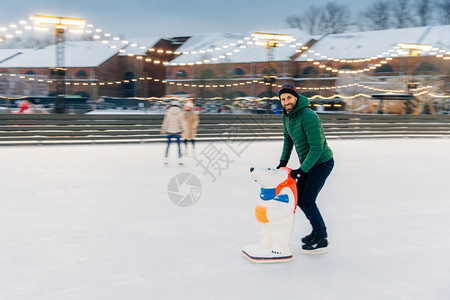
314	64
93	68
233	65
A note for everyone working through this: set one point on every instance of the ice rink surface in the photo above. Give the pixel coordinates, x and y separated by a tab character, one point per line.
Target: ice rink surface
98	222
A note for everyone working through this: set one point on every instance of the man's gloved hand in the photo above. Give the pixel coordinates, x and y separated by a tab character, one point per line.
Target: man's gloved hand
282	163
297	173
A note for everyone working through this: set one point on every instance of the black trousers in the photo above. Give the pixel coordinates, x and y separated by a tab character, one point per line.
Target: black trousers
308	187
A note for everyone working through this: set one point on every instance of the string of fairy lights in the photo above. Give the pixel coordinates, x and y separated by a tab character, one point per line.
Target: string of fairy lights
124	47
31	78
416	92
380	59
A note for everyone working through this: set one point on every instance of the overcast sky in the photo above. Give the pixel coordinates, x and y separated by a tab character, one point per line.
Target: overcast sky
145	18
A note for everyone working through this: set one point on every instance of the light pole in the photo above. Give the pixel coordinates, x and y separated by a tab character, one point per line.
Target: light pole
411	50
270	41
60	24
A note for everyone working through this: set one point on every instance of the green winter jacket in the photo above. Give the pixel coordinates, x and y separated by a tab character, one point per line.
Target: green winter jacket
303	128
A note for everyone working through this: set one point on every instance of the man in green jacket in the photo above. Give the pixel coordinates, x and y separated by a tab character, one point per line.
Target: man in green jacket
303	129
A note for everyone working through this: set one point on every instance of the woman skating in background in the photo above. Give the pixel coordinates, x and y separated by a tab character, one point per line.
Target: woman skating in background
172	127
191	120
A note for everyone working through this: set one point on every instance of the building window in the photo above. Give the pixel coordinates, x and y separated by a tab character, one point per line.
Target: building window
345	67
128	87
81	73
209	94
310	71
427	68
273	71
309	94
181	73
30	73
237	94
384	69
238	72
208	73
267	94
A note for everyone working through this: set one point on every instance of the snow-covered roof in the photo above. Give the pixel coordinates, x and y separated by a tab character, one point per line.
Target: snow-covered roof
139	46
235	47
371	43
438	36
77	54
6	54
216	48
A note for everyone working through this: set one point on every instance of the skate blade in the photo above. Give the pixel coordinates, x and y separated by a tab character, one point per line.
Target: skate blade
314	252
267	260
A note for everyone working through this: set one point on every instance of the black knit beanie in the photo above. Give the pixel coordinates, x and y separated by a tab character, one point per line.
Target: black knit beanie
288	88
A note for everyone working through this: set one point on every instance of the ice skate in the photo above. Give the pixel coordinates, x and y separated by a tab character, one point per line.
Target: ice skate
166	161
180	162
308	239
315	246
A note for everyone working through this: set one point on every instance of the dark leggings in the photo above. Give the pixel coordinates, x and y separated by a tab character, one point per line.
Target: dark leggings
169	141
308	187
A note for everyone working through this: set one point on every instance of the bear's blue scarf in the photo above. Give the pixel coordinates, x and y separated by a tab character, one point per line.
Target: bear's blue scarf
269	194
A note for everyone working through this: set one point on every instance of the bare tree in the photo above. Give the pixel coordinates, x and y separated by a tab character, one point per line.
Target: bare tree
294	22
443	12
308	22
332	18
401	11
381	15
37	42
424	12
29	41
42	40
376	17
335	18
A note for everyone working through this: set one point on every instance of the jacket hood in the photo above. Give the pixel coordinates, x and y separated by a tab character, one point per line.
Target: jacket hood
174	110
302	102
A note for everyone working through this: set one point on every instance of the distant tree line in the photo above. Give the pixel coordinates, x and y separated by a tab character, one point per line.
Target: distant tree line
329	18
382	14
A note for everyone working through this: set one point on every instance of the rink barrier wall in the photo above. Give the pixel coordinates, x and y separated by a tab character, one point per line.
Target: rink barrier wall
47	129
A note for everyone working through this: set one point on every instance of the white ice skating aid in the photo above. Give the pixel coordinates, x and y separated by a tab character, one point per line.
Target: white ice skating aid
276	212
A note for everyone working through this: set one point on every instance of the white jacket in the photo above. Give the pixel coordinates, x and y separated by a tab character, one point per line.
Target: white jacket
173	121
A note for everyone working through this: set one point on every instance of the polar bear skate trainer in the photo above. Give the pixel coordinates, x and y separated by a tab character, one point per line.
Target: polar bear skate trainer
276	212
